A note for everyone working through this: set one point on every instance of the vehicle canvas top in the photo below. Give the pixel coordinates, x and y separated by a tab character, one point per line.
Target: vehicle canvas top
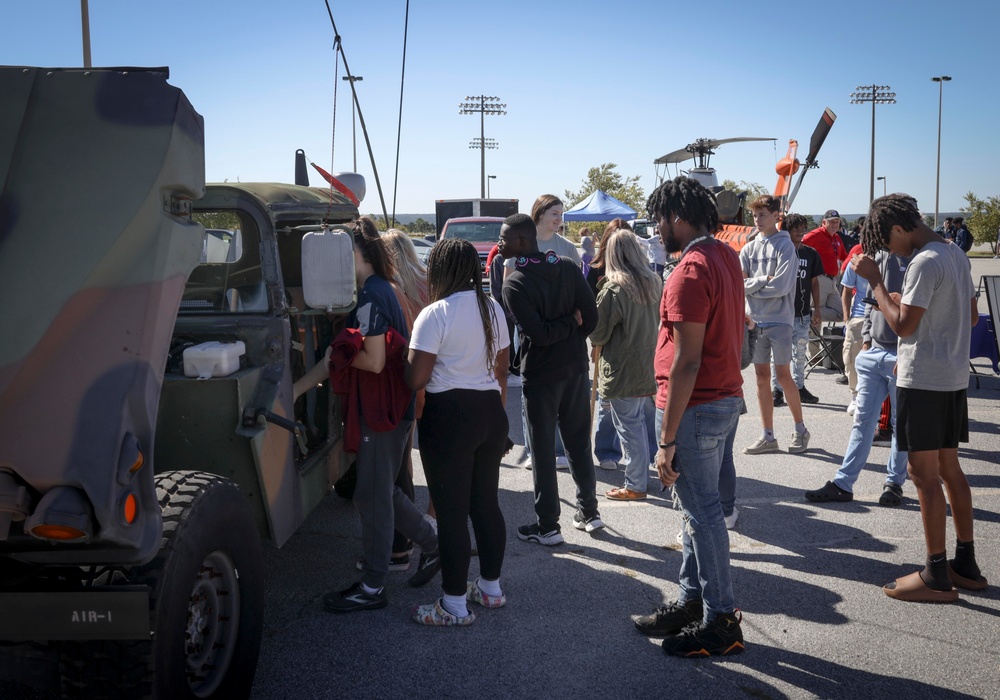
92	269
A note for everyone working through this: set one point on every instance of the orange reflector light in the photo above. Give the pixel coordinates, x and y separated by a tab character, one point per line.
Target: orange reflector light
131	508
139	461
57	532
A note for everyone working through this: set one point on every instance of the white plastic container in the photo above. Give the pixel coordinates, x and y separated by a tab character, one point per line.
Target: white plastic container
213	359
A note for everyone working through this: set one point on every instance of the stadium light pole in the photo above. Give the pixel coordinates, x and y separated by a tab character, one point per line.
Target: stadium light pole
882	178
488	178
85	28
940	80
482	105
354	135
877	95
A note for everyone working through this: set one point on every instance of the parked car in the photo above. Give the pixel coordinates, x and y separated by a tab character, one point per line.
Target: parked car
482	232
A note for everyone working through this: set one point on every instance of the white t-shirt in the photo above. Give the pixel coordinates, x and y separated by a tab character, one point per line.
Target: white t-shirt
936	356
452	329
563	247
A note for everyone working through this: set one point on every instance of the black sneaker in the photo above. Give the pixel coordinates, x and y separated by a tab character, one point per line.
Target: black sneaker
720	637
779	397
532	533
892	495
355	598
587	522
806	396
397	562
669	619
427	568
829	493
883	438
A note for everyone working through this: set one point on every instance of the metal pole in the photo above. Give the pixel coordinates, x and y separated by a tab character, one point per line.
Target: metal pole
354	134
871	192
482	145
937	179
85	26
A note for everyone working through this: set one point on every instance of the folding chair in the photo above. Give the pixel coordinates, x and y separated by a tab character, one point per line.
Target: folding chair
826	338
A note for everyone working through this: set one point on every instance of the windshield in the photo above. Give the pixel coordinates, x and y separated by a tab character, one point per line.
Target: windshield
645	229
228	278
474	231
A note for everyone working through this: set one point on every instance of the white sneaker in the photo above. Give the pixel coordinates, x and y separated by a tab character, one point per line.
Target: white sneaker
851	407
562	464
527	462
731	519
609	464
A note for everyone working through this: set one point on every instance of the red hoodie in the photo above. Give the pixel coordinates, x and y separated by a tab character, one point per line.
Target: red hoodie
380	398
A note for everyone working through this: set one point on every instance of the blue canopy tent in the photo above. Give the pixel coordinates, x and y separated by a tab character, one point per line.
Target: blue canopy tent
599	207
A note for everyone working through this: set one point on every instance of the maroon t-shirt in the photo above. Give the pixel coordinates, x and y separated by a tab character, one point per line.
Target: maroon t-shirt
705	287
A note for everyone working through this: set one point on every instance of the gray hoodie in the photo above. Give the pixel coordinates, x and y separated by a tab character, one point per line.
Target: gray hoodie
774	256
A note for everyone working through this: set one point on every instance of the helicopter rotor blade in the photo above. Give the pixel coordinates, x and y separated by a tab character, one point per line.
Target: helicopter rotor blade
815	143
819	134
703	147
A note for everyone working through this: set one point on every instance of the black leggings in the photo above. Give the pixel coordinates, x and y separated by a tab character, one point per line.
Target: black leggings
463	433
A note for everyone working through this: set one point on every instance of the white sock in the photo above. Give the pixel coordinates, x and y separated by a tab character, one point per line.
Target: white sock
769	434
491	588
455	604
369	589
800	428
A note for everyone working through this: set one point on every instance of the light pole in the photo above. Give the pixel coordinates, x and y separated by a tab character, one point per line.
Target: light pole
877	95
940	80
354	138
85	27
882	178
483	105
488	178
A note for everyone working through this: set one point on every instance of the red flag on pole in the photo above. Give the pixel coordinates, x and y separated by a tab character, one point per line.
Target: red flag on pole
337	184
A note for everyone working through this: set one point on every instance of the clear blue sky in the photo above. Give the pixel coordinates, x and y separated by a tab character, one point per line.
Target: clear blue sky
584	82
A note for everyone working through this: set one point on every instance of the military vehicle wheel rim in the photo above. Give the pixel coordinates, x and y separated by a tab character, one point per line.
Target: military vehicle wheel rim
212	624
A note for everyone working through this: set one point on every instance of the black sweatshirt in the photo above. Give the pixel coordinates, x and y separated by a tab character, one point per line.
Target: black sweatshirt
542	293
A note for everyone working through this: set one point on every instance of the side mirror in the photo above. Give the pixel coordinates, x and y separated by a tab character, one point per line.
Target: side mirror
328	282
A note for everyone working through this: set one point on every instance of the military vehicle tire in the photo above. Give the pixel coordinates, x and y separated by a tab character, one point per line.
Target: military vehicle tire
207	589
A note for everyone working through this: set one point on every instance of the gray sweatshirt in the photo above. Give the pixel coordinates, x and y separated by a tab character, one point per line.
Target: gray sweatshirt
774	256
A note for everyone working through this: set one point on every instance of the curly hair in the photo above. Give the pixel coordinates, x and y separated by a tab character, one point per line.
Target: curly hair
453	266
892	210
372	247
795	222
686	198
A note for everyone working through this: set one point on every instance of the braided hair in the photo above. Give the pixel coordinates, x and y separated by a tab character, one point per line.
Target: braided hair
453	266
892	210
686	198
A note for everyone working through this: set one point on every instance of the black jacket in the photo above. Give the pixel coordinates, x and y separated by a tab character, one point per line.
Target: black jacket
541	294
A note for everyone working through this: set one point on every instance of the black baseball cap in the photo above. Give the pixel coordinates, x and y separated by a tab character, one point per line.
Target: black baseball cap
831	214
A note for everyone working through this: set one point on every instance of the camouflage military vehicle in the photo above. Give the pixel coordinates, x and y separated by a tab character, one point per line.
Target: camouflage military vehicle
134	496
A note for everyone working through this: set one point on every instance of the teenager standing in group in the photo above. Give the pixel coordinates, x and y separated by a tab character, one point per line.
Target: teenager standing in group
932	318
627	322
459	352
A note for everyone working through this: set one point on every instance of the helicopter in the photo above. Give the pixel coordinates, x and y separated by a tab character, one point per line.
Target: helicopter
731	204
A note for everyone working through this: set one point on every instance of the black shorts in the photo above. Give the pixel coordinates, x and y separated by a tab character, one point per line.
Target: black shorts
930	420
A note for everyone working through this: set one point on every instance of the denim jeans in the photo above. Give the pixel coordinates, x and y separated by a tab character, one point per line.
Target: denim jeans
702	438
630	423
800	351
607	444
875	381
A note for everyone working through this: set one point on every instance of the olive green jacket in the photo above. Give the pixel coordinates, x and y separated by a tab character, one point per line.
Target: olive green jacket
627	331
